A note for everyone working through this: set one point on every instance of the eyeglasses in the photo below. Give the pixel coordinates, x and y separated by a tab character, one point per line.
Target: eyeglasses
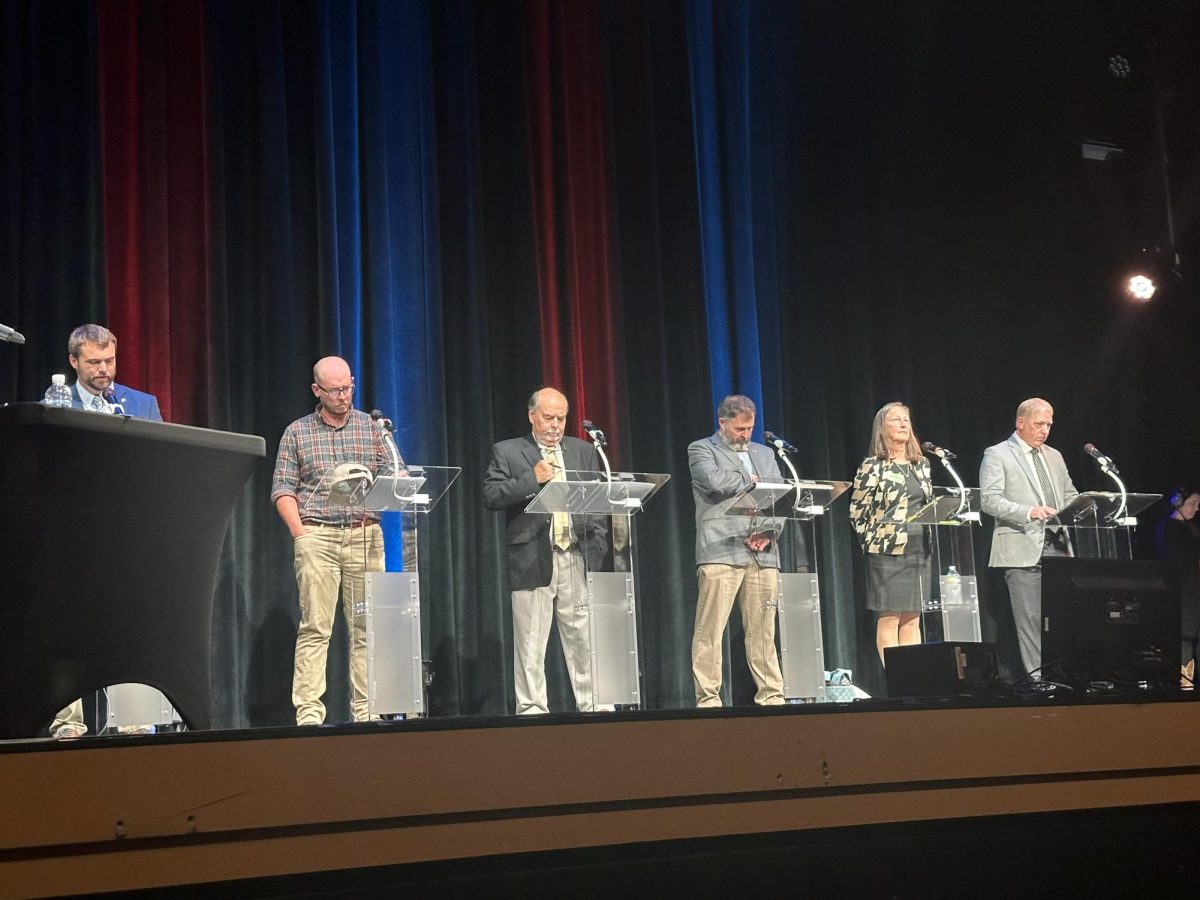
338	391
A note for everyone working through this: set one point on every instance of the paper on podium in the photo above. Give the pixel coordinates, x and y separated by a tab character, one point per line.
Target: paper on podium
943	508
777	500
582	493
1100	508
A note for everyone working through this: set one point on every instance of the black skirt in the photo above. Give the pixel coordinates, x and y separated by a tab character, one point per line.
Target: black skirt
900	583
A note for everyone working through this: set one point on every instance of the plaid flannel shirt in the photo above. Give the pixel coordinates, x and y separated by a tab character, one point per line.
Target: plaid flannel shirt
308	452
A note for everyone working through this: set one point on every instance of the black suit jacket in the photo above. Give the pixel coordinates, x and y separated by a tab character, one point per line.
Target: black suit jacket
509	486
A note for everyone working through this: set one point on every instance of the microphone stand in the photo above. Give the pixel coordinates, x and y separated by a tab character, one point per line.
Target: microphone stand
962	494
797	504
1119	517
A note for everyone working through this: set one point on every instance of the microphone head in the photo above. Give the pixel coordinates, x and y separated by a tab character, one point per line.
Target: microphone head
928	447
769	436
1090	449
376	415
587	425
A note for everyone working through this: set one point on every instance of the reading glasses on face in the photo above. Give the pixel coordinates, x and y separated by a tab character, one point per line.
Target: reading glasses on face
338	391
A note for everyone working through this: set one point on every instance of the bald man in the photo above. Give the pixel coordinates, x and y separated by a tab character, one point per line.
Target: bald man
334	546
545	565
1023	482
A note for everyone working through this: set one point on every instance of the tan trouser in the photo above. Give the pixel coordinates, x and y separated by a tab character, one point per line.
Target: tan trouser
756	590
565	598
330	560
68	715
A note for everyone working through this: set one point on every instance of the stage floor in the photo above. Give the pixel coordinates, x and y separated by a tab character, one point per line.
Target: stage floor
124	813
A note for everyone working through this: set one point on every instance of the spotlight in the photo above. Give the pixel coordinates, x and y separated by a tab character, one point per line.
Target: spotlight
1118	66
1140	287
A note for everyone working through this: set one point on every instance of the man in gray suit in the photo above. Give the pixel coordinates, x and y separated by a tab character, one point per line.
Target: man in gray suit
734	558
1023	483
545	564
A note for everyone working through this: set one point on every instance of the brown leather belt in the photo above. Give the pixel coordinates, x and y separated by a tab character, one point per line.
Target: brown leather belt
361	523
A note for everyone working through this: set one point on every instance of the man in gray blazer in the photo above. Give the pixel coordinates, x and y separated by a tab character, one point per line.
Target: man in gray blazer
1023	483
734	558
545	564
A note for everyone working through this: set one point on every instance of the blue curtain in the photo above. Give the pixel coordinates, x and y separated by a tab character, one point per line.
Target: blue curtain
733	183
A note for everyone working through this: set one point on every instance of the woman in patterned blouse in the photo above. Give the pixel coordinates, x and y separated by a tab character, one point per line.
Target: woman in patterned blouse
890	485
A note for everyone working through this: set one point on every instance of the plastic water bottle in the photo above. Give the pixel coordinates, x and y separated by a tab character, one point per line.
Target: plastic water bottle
58	394
952	588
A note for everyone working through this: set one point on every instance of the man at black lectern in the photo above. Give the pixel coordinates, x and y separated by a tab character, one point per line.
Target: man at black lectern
334	546
734	560
92	353
1023	482
545	563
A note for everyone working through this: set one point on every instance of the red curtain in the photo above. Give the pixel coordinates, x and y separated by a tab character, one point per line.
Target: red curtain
153	137
569	159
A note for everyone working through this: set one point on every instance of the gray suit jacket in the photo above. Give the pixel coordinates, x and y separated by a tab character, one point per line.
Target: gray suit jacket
717	475
509	485
1008	491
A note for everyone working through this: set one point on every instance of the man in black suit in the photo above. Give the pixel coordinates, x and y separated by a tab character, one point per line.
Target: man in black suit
545	564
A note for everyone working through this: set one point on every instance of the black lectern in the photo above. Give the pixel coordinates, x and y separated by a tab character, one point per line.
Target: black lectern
112	530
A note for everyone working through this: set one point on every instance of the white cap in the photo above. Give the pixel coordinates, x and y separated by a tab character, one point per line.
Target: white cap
58	379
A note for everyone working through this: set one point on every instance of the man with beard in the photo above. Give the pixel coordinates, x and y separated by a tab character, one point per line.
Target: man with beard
734	560
92	353
334	546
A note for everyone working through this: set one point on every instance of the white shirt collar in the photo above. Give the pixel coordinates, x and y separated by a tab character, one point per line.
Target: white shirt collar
86	398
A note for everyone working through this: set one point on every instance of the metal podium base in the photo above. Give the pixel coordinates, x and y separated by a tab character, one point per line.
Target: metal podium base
395	673
615	666
135	705
959	610
802	656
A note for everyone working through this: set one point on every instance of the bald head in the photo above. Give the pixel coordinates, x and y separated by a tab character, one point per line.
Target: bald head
330	367
333	385
548	416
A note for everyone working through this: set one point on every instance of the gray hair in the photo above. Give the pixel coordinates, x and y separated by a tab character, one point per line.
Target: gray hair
879	446
1032	405
533	398
735	406
89	334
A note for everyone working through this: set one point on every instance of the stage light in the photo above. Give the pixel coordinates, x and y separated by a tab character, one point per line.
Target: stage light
1118	66
1140	286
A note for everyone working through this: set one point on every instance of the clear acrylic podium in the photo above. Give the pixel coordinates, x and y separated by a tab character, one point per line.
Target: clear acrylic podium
801	642
950	516
392	600
609	546
1100	523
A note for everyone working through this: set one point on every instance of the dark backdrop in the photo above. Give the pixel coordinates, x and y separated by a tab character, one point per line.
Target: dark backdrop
827	205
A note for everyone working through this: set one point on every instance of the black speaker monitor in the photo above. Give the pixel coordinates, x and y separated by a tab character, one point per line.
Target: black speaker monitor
1111	620
950	669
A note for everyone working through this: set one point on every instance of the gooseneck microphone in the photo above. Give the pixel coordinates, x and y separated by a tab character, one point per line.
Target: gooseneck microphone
110	397
11	335
1105	463
778	442
382	421
594	433
939	452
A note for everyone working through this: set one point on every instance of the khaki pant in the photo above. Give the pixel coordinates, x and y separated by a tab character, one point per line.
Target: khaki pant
331	560
69	715
564	599
756	590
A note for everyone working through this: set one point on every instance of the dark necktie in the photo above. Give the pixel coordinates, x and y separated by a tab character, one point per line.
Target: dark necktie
1043	475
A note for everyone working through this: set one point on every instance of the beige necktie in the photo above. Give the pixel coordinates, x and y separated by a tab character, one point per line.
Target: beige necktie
561	526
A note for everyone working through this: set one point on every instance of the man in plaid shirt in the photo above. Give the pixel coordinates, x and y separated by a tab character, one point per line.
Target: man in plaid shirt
334	545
